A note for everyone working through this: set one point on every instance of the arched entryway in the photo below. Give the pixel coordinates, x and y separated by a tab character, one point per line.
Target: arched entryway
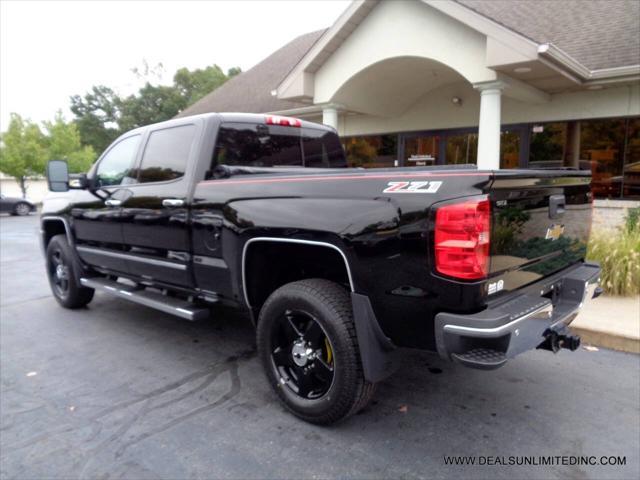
388	88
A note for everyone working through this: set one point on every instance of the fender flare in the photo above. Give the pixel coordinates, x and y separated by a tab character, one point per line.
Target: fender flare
288	240
376	349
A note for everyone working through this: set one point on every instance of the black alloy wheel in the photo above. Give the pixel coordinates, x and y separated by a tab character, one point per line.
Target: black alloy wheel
308	347
62	274
59	273
302	354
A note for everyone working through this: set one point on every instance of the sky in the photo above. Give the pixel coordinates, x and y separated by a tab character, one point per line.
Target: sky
50	50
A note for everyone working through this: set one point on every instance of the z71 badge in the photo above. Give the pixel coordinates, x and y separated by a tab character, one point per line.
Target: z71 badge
412	187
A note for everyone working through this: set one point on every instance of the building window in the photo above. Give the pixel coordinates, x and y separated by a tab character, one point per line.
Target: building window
602	146
509	149
375	151
610	148
421	150
546	149
462	148
631	169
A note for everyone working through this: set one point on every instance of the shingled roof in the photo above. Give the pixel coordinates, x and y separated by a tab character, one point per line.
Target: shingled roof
598	33
251	90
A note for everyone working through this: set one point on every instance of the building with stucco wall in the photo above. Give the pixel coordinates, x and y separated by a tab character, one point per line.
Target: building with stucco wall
498	83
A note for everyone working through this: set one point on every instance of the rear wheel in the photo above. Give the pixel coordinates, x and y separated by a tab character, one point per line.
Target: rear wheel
309	350
62	275
22	209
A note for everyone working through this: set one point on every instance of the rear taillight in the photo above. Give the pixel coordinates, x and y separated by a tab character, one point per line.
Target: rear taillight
283	121
462	239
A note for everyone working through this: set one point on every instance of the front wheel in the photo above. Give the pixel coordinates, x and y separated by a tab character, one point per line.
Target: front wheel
62	275
22	209
308	347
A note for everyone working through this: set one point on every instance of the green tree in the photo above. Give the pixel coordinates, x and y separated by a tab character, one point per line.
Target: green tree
63	143
152	104
149	73
96	116
359	152
195	84
101	115
233	71
22	151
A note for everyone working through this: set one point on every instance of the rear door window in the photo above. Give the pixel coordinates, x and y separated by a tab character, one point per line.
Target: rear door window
166	154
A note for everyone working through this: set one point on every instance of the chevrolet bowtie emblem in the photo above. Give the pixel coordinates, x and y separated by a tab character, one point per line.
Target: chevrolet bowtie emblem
554	232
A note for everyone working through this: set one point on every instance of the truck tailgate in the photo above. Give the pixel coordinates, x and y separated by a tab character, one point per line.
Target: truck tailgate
540	225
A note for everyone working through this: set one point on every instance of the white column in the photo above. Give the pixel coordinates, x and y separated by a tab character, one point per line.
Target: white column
330	116
489	125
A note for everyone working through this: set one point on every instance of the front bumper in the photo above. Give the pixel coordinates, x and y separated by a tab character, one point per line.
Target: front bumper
532	318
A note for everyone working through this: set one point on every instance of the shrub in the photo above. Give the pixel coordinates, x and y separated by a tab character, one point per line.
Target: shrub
632	221
619	256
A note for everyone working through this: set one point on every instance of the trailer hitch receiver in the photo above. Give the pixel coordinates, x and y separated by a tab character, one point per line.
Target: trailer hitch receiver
555	339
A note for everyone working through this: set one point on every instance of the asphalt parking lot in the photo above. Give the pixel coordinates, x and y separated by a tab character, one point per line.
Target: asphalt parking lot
121	391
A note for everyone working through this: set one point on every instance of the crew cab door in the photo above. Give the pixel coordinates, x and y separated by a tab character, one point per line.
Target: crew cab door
97	217
155	215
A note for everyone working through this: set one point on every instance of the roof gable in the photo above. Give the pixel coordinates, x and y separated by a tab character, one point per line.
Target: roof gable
251	90
585	41
605	38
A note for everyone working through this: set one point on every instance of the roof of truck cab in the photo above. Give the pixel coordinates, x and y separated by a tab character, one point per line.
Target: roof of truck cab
226	117
240	117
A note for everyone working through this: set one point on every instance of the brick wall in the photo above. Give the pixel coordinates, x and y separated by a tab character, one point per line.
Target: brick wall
610	214
576	224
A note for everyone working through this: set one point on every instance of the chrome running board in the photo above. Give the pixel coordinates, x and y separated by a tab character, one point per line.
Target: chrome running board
173	306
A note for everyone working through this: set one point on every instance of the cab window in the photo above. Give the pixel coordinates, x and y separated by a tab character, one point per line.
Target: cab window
115	166
258	145
166	154
322	149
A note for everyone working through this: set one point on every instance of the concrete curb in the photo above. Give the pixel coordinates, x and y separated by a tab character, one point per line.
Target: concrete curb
608	340
610	322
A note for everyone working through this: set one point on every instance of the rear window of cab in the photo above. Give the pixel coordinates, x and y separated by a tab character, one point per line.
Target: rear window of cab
259	145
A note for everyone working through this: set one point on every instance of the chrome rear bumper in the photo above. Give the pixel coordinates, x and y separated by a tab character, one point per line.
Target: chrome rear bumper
519	323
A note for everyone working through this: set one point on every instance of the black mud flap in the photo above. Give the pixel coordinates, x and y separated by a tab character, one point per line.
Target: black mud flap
377	352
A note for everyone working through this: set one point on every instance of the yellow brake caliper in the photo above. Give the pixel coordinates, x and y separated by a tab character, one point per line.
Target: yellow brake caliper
329	352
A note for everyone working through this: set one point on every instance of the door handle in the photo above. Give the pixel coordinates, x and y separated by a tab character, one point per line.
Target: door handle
172	202
113	202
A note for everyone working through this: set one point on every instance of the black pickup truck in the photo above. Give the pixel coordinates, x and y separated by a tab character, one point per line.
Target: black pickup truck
338	267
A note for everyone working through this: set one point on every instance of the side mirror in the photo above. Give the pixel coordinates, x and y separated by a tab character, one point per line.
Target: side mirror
58	175
78	181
